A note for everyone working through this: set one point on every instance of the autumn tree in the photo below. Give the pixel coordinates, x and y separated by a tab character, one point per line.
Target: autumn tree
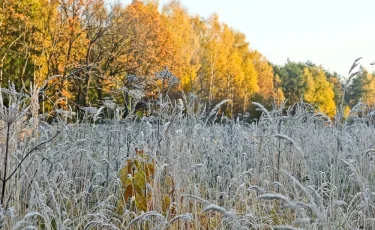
265	75
210	52
230	69
63	49
19	41
185	44
246	84
369	90
319	91
279	97
149	45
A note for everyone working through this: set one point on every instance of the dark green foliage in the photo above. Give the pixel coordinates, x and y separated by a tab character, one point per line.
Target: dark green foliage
357	90
292	80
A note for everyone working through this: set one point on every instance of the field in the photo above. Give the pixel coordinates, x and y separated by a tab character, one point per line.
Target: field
186	168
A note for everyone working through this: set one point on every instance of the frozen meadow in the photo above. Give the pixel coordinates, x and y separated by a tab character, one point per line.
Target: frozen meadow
186	168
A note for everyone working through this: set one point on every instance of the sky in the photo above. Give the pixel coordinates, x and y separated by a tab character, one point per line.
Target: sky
331	33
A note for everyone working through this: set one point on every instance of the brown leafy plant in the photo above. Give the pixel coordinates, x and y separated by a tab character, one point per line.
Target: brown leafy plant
137	178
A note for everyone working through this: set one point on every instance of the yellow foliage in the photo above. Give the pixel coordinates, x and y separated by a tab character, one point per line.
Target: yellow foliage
346	112
319	91
369	90
166	202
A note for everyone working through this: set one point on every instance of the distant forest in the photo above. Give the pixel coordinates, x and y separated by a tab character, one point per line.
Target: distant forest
91	51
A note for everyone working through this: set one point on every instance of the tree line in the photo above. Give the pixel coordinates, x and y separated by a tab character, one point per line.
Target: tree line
120	49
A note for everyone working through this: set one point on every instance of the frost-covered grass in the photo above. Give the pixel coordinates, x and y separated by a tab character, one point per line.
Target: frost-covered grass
284	172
